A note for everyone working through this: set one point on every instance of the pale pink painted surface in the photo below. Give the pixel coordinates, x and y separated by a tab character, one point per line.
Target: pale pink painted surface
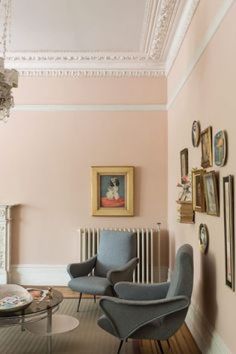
203	18
66	90
45	167
208	96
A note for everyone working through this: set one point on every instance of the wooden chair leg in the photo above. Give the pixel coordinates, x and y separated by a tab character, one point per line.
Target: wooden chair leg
119	349
80	297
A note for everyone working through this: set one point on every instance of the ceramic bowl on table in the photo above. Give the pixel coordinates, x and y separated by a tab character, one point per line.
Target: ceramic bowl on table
14	297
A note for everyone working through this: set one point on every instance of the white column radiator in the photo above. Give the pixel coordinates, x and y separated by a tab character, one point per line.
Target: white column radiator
146	238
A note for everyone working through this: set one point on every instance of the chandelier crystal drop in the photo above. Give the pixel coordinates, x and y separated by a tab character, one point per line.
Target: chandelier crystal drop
8	77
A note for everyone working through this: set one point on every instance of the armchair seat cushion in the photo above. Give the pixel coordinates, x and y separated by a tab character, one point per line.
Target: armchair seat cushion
91	285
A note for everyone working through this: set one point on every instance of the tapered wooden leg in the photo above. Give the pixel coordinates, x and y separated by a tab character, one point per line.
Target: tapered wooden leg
80	297
94	296
119	349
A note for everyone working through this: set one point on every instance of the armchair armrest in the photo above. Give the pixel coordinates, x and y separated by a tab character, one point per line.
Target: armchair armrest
128	316
81	269
131	291
122	273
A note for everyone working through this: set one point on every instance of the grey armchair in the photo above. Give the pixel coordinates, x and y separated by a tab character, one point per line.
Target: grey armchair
154	311
115	261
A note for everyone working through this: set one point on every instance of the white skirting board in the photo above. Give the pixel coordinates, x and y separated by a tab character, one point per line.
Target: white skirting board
37	274
206	337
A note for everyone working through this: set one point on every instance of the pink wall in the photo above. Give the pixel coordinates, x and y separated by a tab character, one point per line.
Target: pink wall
208	96
46	158
67	90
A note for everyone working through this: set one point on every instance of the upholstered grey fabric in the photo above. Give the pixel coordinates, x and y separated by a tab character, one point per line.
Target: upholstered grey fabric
80	269
91	285
115	261
156	313
131	291
115	250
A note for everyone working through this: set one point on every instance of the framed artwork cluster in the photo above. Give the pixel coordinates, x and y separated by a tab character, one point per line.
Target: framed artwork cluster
205	185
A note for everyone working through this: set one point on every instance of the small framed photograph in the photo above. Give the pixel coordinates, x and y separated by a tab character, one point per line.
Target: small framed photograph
206	146
228	193
112	191
211	193
196	132
203	238
220	148
198	196
184	163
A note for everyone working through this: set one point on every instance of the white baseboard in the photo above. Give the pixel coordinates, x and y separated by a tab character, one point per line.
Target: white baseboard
3	276
37	274
206	337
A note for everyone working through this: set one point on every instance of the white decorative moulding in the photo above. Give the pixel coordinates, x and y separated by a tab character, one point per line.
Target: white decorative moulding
5	242
165	23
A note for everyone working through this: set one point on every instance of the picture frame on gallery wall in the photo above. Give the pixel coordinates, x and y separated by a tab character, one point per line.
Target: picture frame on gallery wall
196	132
203	237
183	164
198	196
206	147
112	190
211	193
220	148
228	195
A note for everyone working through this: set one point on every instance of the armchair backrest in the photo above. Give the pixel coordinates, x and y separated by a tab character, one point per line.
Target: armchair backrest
182	276
116	248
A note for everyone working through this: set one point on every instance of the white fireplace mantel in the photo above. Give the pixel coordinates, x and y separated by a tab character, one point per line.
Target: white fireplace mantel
5	242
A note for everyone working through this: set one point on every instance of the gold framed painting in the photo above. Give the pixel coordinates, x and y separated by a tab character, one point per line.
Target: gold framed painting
198	196
211	193
112	190
206	145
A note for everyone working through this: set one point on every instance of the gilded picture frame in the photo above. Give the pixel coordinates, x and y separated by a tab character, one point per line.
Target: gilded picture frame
228	195
211	193
206	147
198	196
112	190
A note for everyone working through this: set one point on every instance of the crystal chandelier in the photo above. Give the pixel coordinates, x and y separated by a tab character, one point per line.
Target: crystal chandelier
8	78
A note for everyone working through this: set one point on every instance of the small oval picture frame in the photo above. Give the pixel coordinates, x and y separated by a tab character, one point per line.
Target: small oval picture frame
196	133
203	238
220	148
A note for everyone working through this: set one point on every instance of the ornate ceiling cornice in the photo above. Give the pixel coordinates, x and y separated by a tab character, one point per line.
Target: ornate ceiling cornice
159	18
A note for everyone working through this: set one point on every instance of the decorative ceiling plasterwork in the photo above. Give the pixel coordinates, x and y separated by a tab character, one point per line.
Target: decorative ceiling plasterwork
157	50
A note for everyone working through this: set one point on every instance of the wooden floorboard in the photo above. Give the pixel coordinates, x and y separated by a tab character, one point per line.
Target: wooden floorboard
181	343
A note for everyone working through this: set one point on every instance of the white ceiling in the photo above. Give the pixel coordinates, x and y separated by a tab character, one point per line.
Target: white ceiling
97	37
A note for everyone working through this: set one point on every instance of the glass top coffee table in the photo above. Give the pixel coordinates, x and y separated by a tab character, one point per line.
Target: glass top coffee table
39	318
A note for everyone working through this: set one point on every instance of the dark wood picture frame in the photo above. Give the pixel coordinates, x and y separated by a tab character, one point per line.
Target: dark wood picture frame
206	148
228	193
